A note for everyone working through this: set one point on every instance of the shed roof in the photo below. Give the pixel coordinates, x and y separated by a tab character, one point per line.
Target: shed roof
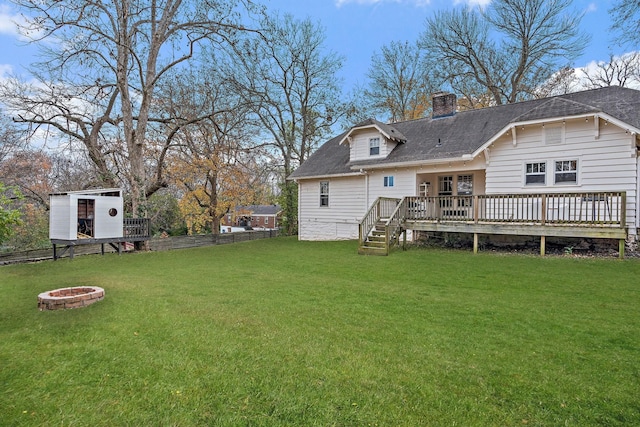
90	192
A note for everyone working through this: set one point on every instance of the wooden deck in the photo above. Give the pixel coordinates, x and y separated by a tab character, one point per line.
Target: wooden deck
133	230
588	215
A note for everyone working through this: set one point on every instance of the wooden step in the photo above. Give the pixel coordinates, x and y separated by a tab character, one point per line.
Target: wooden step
368	250
375	244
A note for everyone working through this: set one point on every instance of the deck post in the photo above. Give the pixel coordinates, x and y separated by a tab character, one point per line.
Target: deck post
475	209
475	243
621	244
404	240
543	243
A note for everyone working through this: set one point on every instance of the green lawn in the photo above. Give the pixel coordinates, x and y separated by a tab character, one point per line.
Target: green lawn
284	333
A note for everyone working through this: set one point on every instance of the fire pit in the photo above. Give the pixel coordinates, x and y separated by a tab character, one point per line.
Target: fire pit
59	299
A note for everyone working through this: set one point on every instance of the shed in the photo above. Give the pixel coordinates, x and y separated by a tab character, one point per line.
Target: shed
87	214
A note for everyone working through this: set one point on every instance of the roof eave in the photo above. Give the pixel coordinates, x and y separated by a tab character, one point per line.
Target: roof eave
608	118
336	175
464	157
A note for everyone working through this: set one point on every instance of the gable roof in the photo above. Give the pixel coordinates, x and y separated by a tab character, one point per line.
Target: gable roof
389	131
461	135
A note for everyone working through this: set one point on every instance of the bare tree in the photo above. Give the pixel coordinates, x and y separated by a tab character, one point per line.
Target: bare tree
617	71
102	62
534	36
11	138
625	17
398	83
289	78
562	82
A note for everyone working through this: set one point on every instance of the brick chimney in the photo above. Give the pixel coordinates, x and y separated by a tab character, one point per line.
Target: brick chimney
444	104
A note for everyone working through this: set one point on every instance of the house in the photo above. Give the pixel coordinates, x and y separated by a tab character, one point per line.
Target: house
560	166
254	216
90	217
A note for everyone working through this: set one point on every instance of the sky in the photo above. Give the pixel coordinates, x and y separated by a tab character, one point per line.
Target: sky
355	29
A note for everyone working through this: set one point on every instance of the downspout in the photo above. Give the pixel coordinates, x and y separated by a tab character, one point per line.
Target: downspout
366	189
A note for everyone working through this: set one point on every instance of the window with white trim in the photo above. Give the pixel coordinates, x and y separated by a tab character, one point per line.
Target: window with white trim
445	185
374	146
535	173
465	188
388	181
324	193
566	172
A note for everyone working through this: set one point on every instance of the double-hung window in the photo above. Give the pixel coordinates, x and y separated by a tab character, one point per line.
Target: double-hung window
535	174
374	146
324	193
465	189
566	172
388	181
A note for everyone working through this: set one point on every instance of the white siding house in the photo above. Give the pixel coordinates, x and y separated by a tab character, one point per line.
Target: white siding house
580	144
334	215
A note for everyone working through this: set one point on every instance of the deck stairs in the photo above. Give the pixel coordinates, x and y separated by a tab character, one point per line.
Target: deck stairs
381	227
376	241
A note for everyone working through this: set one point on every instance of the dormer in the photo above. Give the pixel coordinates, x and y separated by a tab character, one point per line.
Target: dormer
371	140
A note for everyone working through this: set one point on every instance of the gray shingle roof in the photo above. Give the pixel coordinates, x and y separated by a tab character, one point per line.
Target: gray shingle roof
384	127
463	133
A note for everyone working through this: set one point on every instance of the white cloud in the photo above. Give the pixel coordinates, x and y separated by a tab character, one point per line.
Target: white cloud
8	21
340	3
482	4
5	70
592	7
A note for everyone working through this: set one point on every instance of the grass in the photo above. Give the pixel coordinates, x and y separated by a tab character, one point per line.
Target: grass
285	333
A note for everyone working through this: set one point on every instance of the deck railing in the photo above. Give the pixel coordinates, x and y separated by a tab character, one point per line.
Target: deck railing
591	208
136	228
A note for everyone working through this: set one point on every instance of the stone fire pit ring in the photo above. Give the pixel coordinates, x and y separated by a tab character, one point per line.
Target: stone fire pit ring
60	299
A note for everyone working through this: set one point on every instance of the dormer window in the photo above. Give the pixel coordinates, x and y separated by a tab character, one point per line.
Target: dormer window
374	146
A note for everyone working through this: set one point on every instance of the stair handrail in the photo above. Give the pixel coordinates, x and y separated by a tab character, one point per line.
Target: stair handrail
372	216
394	224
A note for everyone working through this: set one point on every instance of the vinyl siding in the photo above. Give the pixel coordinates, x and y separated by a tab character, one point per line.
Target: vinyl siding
62	218
349	201
359	146
404	184
339	220
607	163
107	226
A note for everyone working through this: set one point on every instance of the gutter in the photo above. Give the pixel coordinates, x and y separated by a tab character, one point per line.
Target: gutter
464	157
338	175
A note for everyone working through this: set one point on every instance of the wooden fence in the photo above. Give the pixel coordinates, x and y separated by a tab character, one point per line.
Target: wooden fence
155	244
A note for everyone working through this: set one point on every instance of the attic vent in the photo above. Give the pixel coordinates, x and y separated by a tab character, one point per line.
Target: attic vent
553	134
